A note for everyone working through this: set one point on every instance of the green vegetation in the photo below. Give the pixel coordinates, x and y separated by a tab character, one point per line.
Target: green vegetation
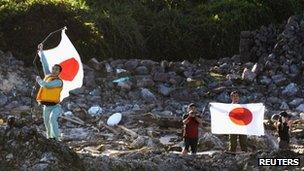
154	29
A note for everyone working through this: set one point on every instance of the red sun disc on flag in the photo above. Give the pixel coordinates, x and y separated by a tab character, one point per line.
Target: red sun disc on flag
240	116
70	69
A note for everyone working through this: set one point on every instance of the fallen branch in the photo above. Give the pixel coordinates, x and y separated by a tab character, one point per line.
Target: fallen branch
108	127
77	120
120	153
74	120
128	131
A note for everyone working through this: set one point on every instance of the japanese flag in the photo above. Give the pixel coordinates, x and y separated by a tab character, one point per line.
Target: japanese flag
237	118
68	58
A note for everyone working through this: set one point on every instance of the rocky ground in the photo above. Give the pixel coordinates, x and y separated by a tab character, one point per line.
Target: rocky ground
152	96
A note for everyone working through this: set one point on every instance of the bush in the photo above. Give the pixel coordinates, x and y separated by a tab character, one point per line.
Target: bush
156	29
25	26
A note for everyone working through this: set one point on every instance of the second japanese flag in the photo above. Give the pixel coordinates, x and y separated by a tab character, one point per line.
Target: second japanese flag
244	119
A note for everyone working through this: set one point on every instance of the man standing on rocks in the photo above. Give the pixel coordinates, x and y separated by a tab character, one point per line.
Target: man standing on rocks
283	126
191	122
49	96
233	138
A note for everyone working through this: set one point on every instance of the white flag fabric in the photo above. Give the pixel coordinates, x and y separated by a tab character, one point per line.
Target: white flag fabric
244	119
68	58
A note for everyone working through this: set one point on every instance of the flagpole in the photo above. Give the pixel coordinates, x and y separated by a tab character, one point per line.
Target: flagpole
63	28
34	61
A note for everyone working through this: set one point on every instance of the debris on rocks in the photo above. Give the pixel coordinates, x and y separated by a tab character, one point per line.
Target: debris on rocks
151	97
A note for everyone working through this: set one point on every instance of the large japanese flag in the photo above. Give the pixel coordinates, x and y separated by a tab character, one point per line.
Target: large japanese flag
237	118
68	58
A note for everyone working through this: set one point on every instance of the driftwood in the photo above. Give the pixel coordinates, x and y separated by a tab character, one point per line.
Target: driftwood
121	153
77	120
128	131
73	119
108	127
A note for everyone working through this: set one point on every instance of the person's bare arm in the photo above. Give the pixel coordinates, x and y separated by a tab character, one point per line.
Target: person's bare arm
199	120
186	120
289	123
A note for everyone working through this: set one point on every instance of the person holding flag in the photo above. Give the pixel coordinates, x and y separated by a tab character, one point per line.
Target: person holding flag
49	96
237	120
234	137
67	74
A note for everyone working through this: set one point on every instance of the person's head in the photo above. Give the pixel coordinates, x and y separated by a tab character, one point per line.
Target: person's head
192	113
11	121
192	107
234	96
56	69
285	115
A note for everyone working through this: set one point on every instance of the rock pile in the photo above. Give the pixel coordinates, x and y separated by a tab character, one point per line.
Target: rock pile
152	96
22	147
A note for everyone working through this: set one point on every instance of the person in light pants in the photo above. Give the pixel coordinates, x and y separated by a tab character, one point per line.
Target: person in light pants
49	96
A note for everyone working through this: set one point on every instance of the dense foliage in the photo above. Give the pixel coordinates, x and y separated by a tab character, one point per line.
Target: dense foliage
154	29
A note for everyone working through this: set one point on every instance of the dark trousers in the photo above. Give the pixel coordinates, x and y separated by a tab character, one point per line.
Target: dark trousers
191	142
233	142
283	144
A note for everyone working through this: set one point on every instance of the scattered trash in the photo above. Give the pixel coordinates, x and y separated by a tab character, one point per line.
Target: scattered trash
121	79
68	113
108	67
95	111
166	140
114	119
118	71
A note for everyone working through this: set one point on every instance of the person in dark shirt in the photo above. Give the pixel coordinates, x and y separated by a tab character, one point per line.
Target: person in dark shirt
282	127
191	122
233	138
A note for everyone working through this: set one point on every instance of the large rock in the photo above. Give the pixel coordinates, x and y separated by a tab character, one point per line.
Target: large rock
245	46
223	97
184	95
284	106
94	63
300	108
274	100
279	79
148	63
210	141
296	102
161	77
145	81
139	142
248	75
147	95
265	80
290	90
142	70
27	149
131	65
164	90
